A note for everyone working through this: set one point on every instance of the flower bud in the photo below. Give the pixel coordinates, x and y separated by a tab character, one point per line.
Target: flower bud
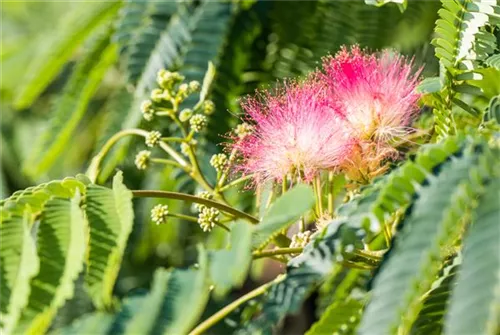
208	107
153	138
142	159
243	129
218	161
208	217
198	122
157	95
159	214
194	86
185	114
147	110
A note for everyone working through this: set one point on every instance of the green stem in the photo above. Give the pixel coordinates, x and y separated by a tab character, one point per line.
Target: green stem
302	224
173	139
317	180
166	162
236	182
94	168
211	321
191	198
175	155
274	252
331	187
284	185
196	171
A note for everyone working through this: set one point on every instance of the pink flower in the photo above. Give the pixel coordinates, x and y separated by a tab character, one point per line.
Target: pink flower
375	95
295	132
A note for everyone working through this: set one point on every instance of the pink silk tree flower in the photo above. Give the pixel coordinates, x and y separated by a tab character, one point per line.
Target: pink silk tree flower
375	94
295	133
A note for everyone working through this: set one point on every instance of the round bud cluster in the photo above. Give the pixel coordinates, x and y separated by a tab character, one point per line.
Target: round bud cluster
300	240
167	80
194	86
198	122
147	110
208	107
185	114
158	95
153	138
159	214
142	159
243	129
218	161
208	217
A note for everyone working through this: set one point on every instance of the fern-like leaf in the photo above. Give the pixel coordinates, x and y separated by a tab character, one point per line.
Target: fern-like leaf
18	264
110	216
74	29
340	317
61	248
72	105
474	307
431	224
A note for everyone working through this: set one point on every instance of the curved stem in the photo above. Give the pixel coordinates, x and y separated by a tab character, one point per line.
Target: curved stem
191	198
166	162
235	182
202	327
94	168
175	155
274	252
173	139
196	172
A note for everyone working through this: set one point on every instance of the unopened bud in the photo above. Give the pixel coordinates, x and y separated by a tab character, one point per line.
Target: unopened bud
207	218
153	138
159	214
300	240
198	122
208	107
142	159
194	86
218	161
243	129
185	114
147	110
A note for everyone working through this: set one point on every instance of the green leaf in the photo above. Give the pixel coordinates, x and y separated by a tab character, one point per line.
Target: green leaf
110	216
409	268
18	264
97	323
493	61
37	196
339	317
435	302
402	4
229	268
189	287
61	246
474	307
149	307
72	105
74	28
138	31
429	85
286	210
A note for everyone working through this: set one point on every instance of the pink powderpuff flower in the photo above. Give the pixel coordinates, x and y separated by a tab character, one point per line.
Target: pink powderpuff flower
294	133
375	94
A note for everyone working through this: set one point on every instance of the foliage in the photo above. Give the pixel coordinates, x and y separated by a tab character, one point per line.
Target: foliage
411	251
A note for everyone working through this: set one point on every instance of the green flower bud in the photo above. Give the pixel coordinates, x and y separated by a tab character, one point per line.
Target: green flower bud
207	218
218	161
208	107
300	240
157	95
153	138
198	122
147	110
159	214
185	114
194	86
142	159
243	129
